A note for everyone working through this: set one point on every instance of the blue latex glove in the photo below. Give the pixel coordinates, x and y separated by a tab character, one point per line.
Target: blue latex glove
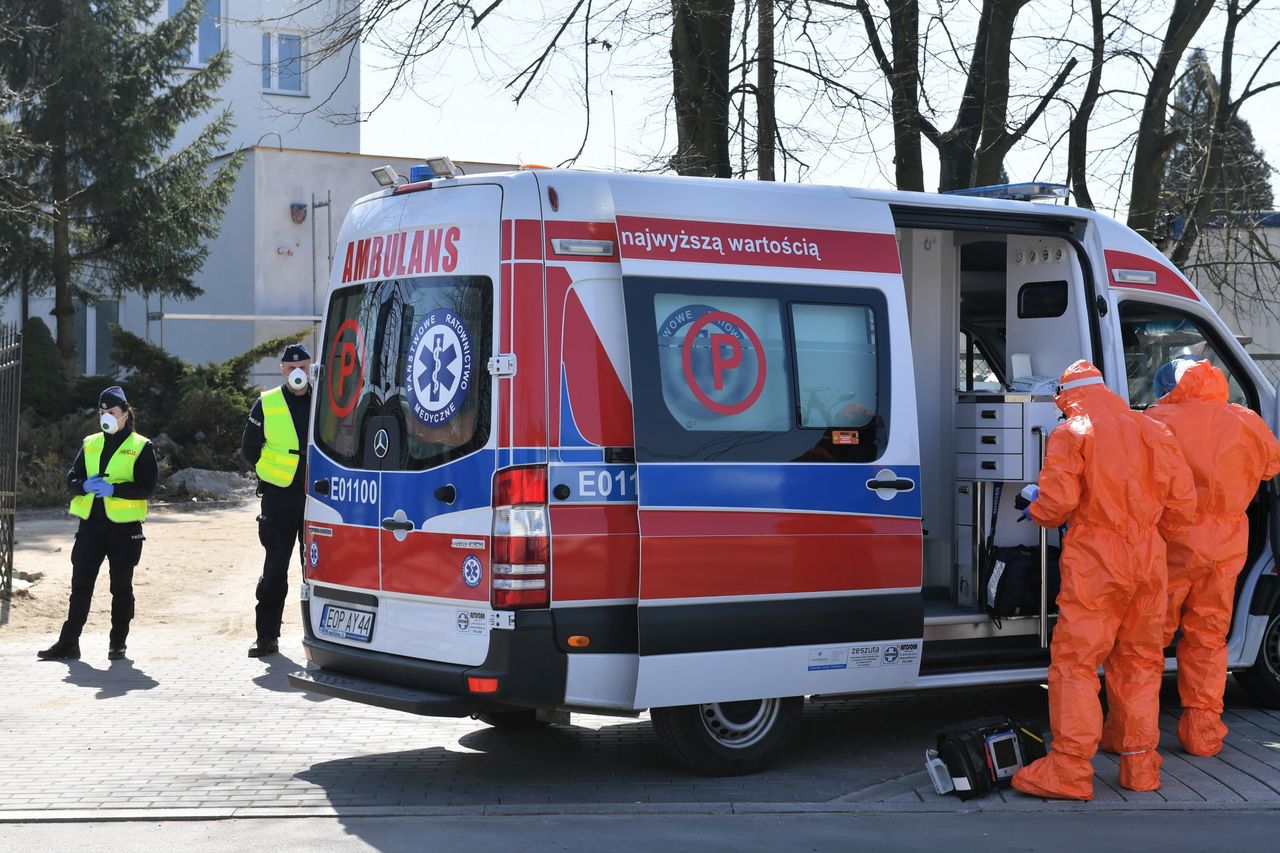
104	489
89	485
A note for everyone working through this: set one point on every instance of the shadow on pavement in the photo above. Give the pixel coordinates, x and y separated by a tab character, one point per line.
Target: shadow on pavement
119	678
275	676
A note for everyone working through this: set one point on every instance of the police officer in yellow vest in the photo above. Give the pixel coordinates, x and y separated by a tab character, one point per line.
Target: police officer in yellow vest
111	478
275	443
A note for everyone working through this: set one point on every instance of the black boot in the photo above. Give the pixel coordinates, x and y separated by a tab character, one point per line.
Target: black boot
61	650
264	646
116	651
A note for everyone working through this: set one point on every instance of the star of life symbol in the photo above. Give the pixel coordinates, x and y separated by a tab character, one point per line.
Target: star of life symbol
315	554
472	571
439	369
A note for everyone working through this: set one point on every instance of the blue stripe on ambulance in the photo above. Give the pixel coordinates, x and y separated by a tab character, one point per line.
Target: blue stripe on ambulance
353	493
796	487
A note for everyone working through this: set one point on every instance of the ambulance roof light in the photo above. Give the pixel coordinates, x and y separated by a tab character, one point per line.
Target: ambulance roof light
442	167
1029	191
387	176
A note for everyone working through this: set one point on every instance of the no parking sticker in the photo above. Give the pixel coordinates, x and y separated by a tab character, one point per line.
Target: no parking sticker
723	360
346	373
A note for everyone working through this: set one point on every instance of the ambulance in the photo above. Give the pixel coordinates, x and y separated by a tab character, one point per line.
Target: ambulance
607	443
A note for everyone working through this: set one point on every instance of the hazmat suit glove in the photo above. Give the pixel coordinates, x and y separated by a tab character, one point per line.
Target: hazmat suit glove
1025	498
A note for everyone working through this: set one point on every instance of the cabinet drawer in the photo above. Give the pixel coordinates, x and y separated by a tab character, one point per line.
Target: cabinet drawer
989	415
989	466
989	440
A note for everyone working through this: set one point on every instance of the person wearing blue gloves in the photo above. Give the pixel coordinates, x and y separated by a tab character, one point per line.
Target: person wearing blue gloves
111	479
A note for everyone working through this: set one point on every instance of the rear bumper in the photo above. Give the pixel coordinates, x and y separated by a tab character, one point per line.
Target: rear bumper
381	695
530	669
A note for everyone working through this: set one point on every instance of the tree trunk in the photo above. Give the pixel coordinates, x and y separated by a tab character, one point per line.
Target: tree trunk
1078	138
1154	142
700	49
1219	132
904	87
989	161
767	123
958	146
64	309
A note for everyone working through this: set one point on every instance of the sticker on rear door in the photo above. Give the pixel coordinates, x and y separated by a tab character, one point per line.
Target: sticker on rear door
472	571
439	370
471	622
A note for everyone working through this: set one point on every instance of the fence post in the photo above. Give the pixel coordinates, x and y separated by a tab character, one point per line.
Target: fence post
10	404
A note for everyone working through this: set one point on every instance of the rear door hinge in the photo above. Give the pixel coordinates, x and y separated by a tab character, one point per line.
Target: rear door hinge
503	366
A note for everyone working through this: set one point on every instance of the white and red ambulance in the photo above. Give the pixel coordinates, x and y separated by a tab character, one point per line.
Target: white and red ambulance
603	443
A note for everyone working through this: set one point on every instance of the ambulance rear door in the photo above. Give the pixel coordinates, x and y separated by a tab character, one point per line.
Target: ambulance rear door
426	322
776	448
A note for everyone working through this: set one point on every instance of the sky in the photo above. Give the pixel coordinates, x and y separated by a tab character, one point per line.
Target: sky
458	105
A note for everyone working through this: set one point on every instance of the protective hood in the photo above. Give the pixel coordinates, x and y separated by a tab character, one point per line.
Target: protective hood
1202	382
1084	392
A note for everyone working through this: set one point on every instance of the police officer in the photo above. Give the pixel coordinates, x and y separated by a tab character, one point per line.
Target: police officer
112	476
275	443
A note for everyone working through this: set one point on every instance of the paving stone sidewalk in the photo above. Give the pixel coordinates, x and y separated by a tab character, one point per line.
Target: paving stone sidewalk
191	727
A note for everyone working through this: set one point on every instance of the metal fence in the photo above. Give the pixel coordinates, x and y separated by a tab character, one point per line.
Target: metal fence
10	392
1269	362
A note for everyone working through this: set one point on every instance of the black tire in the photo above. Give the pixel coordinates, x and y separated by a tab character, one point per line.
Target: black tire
728	738
1262	679
512	719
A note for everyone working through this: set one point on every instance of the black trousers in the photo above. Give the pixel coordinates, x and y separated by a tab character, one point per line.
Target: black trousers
279	528
121	546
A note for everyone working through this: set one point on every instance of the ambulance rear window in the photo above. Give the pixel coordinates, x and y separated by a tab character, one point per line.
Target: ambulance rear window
405	384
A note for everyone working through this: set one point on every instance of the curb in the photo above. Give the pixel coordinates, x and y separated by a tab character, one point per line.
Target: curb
604	810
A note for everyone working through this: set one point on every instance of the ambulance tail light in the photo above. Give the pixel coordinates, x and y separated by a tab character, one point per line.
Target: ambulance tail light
521	539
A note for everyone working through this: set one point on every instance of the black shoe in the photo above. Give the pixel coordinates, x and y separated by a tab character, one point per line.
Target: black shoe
61	650
264	647
116	652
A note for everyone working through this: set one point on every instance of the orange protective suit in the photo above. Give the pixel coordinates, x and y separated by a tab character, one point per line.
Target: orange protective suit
1230	450
1120	481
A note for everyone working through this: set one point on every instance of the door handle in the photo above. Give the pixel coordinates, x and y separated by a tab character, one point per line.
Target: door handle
320	487
396	524
446	494
898	485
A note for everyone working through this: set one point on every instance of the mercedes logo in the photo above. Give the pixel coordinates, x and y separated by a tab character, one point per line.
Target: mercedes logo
381	442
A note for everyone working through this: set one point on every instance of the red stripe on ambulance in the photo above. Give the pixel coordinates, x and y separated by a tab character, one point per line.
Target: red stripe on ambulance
1168	279
596	553
702	554
689	241
428	564
343	556
600	404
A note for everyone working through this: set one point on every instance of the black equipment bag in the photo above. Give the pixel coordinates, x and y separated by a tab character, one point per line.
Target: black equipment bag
1009	579
980	755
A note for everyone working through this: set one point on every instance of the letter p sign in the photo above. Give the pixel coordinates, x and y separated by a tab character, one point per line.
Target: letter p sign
346	374
726	354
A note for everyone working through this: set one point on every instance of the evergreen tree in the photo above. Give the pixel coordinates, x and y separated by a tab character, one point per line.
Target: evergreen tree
1245	183
121	209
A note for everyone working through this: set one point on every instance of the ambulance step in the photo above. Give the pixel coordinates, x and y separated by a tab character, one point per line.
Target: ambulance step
382	695
981	655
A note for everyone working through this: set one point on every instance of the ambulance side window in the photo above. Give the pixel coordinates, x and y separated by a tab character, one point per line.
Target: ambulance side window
727	371
344	389
1155	335
836	365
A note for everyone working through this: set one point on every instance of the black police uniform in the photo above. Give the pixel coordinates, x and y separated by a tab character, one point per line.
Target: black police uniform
98	538
281	522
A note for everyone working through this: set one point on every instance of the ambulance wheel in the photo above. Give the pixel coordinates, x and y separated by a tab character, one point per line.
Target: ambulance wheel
512	719
728	738
1263	678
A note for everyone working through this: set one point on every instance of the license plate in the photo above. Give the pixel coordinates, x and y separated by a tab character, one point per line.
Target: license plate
347	623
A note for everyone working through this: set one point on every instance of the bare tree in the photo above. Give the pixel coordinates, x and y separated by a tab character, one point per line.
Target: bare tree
701	43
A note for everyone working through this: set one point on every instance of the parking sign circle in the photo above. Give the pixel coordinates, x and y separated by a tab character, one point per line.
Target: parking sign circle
438	373
345	369
729	354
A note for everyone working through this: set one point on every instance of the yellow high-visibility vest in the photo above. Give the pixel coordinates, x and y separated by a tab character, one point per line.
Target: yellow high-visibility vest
119	470
279	460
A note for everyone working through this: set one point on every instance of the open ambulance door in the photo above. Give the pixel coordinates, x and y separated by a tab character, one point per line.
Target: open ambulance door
779	489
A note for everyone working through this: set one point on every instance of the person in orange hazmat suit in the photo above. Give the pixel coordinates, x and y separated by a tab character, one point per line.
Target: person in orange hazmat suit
1119	480
1230	450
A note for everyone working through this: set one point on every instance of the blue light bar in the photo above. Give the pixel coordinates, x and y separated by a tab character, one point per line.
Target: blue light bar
420	173
1030	191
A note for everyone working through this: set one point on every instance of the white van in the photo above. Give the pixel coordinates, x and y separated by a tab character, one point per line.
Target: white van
607	443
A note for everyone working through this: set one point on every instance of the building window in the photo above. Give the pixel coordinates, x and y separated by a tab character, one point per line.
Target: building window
95	336
208	34
282	63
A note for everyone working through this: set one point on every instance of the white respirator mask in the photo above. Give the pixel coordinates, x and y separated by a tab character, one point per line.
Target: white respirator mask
109	423
297	379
